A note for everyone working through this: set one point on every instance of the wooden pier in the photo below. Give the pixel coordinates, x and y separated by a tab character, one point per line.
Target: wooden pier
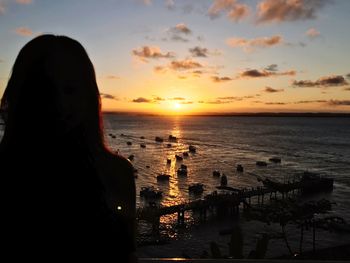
220	203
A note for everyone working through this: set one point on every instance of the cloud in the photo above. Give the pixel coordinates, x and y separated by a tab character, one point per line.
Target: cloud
312	33
108	96
250	44
24	31
181	29
328	81
2	7
178	38
170	4
146	2
272	67
177	98
198	72
276	103
272	90
24	2
227	99
147	52
309	101
269	11
186	102
184	64
338	102
217	101
141	100
198	52
220	79
112	77
235	11
159	69
255	73
156	98
178	32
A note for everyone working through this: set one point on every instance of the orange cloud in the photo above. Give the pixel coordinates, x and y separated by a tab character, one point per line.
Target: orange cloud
24	31
181	28
327	81
250	44
235	11
147	52
255	73
339	103
185	64
220	79
24	2
312	33
272	90
269	11
2	7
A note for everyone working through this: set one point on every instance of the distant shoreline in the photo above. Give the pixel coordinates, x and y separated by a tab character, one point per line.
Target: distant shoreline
243	114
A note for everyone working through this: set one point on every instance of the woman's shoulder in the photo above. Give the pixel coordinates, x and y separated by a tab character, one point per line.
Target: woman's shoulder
115	161
117	175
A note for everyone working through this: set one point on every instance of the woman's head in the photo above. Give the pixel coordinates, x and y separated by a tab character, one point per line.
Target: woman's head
53	88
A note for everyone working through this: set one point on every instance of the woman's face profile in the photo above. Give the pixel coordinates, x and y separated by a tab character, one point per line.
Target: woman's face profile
70	88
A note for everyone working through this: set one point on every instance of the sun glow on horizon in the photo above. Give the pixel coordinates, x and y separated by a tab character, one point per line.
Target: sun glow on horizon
177	106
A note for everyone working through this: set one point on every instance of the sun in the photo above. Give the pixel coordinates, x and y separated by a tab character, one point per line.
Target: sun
177	106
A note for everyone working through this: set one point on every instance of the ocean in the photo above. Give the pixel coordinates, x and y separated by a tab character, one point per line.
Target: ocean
314	144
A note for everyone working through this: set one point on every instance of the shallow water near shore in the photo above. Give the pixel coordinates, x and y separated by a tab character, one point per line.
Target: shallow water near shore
320	145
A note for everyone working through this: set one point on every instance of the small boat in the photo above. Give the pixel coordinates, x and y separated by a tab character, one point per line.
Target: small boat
172	138
196	188
150	192
131	157
168	161
142	137
159	139
113	136
182	171
275	160
163	177
216	173
192	149
178	157
261	163
129	143
185	154
239	168
168	145
142	145
223	180
183	166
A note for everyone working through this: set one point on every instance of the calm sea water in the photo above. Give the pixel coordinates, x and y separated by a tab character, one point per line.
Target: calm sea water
319	145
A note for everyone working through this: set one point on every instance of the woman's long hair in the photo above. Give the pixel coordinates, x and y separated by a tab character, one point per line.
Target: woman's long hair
29	101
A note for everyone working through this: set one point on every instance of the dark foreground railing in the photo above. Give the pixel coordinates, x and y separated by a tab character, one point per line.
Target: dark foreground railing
173	260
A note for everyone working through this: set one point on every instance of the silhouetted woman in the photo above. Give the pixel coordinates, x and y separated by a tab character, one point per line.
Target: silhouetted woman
63	191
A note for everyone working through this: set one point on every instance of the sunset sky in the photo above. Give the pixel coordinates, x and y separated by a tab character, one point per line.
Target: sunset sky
198	56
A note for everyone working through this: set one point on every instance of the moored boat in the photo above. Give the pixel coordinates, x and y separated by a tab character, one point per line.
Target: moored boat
150	192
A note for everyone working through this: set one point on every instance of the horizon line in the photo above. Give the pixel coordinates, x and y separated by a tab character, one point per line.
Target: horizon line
238	114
